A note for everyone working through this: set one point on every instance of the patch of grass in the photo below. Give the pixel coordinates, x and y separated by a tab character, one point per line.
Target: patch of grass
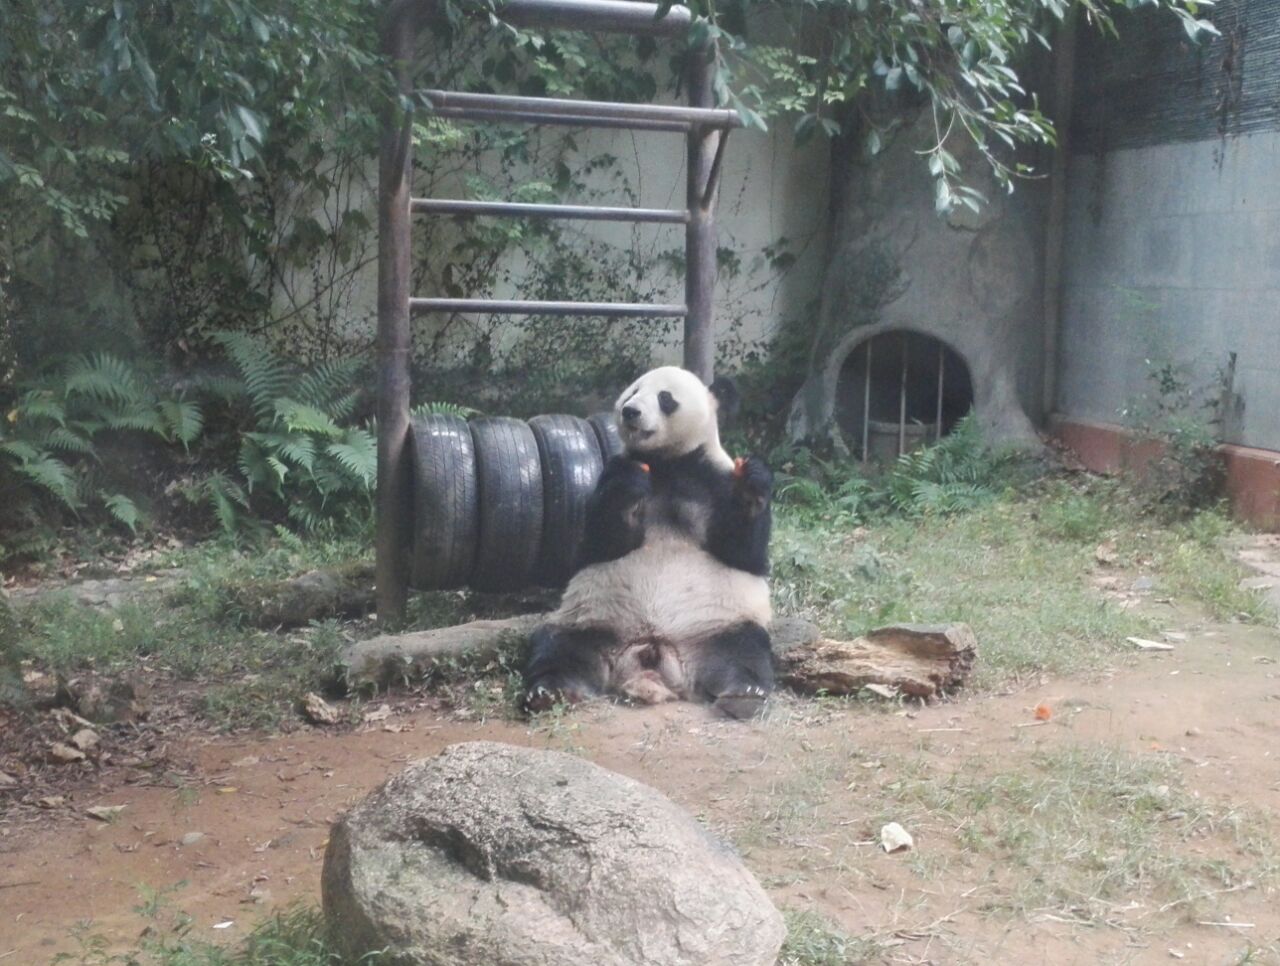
1194	560
249	678
1087	829
1077	514
295	937
1025	596
1015	569
813	941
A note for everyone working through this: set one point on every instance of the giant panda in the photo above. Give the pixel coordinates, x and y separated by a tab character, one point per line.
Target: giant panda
669	600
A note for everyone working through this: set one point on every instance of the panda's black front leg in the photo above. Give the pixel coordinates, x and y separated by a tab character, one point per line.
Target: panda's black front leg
615	512
742	519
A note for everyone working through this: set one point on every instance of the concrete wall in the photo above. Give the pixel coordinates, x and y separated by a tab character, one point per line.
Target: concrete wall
1173	254
1172	236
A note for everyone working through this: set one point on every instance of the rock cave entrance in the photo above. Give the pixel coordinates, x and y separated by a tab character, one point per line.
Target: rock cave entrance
899	390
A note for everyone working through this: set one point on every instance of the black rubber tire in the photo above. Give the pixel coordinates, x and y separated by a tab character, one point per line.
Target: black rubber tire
571	466
510	484
446	502
606	427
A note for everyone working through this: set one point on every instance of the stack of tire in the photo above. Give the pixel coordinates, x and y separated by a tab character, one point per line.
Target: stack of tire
500	503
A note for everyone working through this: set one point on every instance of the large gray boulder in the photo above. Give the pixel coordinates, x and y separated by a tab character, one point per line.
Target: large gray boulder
492	855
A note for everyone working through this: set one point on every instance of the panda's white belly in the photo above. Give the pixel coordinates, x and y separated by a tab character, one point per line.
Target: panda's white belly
668	589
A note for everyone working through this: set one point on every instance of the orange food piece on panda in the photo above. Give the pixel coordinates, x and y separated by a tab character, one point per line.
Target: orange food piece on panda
645	467
739	467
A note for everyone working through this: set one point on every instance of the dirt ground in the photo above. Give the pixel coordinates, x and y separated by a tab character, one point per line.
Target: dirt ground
803	792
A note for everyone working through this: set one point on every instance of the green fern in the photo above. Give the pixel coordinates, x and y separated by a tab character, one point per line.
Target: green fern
300	457
301	418
54	477
123	509
357	452
105	378
48	457
443	409
265	376
182	420
958	473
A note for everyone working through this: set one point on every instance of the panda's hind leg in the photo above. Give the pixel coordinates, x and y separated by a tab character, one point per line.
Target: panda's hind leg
565	666
734	670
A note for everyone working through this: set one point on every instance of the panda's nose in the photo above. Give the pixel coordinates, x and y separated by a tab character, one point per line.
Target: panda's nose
630	414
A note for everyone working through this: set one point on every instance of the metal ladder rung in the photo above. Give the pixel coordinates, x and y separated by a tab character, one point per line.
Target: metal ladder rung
606	15
523	307
520	209
554	109
563	120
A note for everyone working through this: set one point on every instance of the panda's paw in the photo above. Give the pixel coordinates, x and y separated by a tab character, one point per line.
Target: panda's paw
625	474
753	485
547	697
744	704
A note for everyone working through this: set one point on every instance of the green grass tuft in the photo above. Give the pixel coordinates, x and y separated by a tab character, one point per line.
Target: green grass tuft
813	941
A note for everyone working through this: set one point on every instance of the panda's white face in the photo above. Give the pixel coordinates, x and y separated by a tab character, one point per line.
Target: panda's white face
669	412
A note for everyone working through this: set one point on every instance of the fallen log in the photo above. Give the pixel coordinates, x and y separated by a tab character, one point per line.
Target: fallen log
315	595
389	658
918	660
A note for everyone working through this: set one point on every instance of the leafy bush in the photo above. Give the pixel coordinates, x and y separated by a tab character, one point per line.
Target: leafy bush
49	444
1182	416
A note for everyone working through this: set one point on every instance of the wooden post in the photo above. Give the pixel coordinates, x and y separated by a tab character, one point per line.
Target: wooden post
700	234
395	166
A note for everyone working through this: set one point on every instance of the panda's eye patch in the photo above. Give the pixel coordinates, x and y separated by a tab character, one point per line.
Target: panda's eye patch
667	403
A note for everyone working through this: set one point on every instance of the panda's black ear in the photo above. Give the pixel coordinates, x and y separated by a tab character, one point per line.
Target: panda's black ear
728	399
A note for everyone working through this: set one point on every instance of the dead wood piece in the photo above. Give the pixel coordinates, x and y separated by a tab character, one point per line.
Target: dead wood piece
390	657
396	657
922	661
315	595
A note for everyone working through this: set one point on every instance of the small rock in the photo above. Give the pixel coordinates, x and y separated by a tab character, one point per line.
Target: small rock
191	838
51	801
86	739
1193	732
1105	553
245	762
318	710
64	754
894	838
7	780
1143	585
259	895
382	713
105	813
